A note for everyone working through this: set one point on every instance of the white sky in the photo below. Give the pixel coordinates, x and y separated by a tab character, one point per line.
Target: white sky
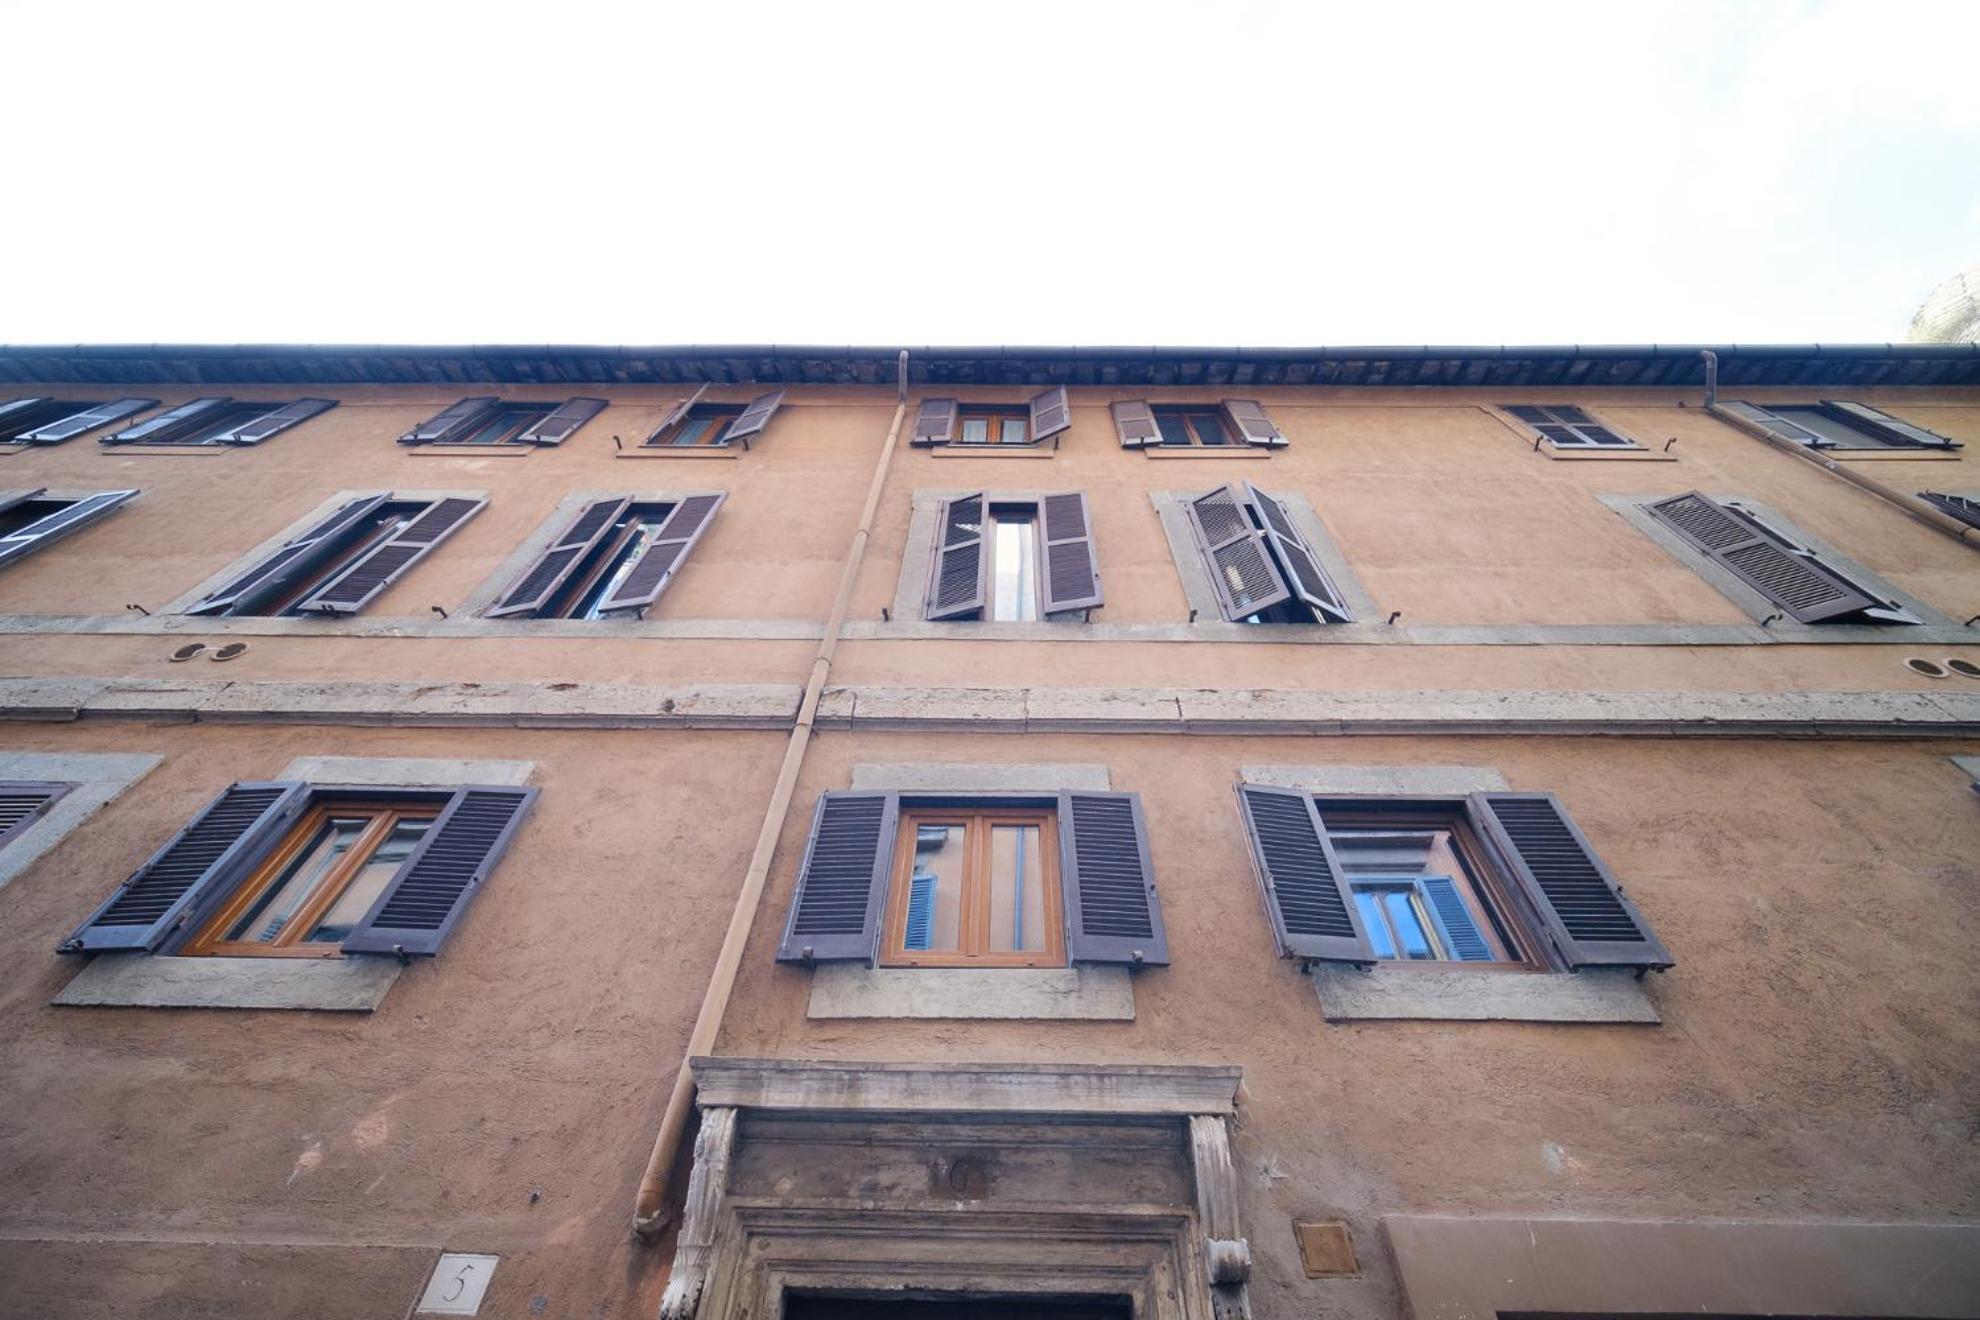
948	173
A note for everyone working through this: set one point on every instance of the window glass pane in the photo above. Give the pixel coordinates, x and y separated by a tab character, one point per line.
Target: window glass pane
270	913
1370	905
975	430
1831	428
1013	431
1175	431
1017	890
1209	428
695	431
935	887
368	883
504	425
1014	569
1411	930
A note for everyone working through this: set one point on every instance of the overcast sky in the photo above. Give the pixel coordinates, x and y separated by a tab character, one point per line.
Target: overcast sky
986	173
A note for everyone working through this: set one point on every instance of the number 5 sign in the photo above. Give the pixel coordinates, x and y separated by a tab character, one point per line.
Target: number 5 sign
457	1285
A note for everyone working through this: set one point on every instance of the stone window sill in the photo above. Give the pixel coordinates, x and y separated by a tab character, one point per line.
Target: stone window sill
138	980
681	451
1636	455
990	451
1891	455
1192	451
471	451
1422	994
1091	994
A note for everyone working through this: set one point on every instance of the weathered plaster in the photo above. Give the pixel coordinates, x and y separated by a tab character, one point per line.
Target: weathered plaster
1093	994
406	771
956	777
1376	780
98	777
1437	994
140	980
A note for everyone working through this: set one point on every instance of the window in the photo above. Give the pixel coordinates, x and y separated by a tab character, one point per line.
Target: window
1013	560
975	888
22	804
32	519
693	424
45	421
993	426
219	421
1566	427
1418	879
613	558
487	420
1221	425
949	422
1830	424
1260	565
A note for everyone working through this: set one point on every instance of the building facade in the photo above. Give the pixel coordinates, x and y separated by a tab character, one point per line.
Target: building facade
1169	833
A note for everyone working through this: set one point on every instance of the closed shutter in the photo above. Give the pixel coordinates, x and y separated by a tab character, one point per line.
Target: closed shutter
674	415
261	428
1589	921
1309	580
1568	427
1890	428
1112	913
935	422
424	901
453	421
563	423
542	579
1809	590
1072	570
958	584
665	554
1234	553
169	425
360	582
842	882
1135	424
1963	507
26	540
1306	894
67	428
200	863
1459	934
754	418
296	558
22	804
1780	426
1253	425
1051	413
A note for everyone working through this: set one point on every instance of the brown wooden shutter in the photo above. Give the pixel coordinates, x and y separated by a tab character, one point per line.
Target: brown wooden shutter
22	803
1588	432
196	865
1774	422
424	901
170	424
959	582
1234	553
842	882
254	431
1809	590
674	415
1963	507
1309	581
1252	424
551	569
1072	568
1306	893
1051	413
1134	423
361	581
452	421
90	419
665	553
1589	921
42	532
296	557
1112	913
1890	428
563	423
935	421
754	418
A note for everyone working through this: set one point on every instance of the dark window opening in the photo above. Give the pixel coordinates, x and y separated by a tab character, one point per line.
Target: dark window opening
1290	610
502	425
705	424
1193	426
29	511
32	415
601	572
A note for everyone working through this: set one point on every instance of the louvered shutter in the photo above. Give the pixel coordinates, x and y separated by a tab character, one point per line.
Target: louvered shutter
1072	569
1112	913
1234	553
1252	424
1588	432
200	863
1051	413
296	557
935	422
9	498
842	882
1892	429
1134	423
563	423
255	430
960	581
665	553
26	540
360	582
1780	426
22	804
754	418
1306	893
1309	580
67	428
1460	935
1809	590
17	407
452	421
424	900
1963	507
542	579
674	415
1589	921
169	425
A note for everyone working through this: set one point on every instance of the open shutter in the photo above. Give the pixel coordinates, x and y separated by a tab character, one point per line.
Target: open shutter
1809	590
254	431
1253	425
754	418
1586	916
674	415
1306	894
1234	552
212	852
1134	423
296	557
1072	570
42	531
1309	580
451	422
424	901
542	579
359	583
1112	913
563	423
842	882
959	584
170	424
665	554
1902	432
1780	426
1460	935
75	424
935	422
22	804
1963	507
9	498
1051	413
1586	431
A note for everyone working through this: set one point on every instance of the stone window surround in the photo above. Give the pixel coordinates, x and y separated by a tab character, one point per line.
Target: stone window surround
533	545
139	980
918	563
1170	507
97	778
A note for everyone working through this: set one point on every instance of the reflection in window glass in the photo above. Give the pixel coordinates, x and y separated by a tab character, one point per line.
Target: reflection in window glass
1017	890
271	913
1014	568
934	916
368	883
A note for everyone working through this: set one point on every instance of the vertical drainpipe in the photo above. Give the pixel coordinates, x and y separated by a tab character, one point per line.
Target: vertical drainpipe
650	1211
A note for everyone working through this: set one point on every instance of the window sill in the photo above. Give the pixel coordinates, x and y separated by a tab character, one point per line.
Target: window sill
990	451
173	450
1091	994
682	451
1637	455
1423	994
137	980
471	451
1194	451
1892	455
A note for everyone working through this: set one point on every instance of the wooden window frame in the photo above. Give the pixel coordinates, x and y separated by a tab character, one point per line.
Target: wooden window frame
722	414
995	414
975	920
386	816
1187	413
